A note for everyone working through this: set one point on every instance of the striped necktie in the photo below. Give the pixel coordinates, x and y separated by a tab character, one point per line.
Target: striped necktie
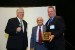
49	21
40	35
21	23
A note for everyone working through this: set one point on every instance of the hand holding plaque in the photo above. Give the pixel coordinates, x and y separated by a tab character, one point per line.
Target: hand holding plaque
46	36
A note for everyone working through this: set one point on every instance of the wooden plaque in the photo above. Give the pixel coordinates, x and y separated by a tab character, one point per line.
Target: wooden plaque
46	36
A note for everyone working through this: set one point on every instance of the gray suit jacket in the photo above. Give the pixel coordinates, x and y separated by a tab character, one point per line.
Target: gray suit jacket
33	36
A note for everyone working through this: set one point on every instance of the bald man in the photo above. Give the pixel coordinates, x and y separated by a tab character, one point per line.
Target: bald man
36	37
17	30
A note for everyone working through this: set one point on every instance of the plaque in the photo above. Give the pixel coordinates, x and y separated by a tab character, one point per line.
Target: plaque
46	36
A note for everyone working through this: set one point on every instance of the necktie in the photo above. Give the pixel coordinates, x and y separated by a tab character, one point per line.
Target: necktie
49	21
40	35
21	25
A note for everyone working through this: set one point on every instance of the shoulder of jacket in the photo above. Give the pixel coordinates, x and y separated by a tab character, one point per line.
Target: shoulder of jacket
58	17
34	26
12	18
25	21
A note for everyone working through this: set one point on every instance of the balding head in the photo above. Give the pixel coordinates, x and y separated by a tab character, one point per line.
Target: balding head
20	13
40	21
20	10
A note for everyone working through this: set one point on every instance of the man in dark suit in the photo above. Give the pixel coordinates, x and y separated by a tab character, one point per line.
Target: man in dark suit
36	37
17	30
56	26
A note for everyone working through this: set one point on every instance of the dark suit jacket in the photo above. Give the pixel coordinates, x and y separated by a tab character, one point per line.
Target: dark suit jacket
33	36
59	28
16	40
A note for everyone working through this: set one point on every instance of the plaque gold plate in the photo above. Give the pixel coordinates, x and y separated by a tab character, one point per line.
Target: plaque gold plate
46	36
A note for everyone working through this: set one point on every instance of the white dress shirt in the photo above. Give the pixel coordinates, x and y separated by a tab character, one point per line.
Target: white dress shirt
37	33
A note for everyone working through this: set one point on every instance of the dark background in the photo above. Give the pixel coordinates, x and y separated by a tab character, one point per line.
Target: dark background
64	8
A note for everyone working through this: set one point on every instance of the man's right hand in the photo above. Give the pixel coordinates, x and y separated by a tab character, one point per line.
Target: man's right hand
18	29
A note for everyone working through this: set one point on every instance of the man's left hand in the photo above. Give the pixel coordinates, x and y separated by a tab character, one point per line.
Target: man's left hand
51	38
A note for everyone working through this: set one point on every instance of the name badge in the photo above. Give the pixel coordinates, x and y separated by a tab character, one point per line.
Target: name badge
52	26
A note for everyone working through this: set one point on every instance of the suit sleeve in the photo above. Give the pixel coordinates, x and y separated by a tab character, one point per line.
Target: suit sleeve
10	28
60	28
32	39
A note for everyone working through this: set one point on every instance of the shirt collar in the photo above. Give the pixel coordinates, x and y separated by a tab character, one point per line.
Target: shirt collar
18	19
41	26
52	18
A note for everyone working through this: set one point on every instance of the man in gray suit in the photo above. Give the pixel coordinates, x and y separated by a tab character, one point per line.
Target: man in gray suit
36	37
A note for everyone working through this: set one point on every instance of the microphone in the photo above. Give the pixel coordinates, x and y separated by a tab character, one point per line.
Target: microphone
20	25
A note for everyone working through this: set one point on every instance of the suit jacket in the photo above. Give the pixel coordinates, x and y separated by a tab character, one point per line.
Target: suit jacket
58	30
16	40
33	36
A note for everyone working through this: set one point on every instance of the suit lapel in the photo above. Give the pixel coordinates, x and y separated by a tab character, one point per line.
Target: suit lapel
35	32
44	28
17	20
52	22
